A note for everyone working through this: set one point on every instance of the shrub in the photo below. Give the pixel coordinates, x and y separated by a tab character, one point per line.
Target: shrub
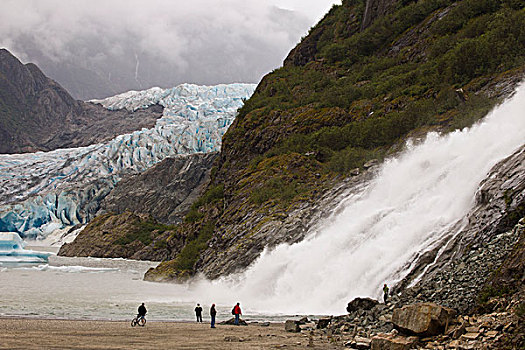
188	256
281	189
143	232
212	195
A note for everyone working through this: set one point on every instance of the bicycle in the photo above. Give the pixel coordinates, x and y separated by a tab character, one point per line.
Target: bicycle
138	320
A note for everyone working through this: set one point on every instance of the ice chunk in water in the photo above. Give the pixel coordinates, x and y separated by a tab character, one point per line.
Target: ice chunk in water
12	251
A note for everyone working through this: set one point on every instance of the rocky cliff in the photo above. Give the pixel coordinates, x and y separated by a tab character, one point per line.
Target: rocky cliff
457	271
128	235
479	273
140	208
37	114
165	191
376	9
351	91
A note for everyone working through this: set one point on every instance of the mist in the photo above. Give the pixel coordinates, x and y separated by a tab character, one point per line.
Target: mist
100	48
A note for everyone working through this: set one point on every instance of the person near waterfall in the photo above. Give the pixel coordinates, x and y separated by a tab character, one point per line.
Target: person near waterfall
237	312
213	313
385	293
198	312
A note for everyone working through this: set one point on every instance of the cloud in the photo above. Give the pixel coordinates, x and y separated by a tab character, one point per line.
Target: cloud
202	41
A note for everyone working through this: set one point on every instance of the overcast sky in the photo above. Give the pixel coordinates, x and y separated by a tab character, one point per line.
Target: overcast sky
125	44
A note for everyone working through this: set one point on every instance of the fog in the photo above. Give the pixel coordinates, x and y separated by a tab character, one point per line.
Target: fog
98	48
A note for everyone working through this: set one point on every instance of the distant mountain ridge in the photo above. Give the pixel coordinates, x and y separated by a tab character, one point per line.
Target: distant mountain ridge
37	114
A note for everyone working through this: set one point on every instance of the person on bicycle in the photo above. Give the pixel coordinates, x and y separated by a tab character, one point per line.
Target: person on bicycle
142	311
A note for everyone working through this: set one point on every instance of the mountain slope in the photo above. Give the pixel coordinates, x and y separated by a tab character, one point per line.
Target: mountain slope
349	92
165	191
37	114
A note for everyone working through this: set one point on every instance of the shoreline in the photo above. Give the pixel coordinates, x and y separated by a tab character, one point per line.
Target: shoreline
43	318
218	322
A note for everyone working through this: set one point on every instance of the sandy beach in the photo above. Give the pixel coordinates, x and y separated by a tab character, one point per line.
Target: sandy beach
20	333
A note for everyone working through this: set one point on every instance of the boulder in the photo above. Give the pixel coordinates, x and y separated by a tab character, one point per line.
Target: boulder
470	336
456	331
361	304
491	334
231	321
423	319
292	326
307	326
304	320
371	163
323	322
383	341
232	339
362	343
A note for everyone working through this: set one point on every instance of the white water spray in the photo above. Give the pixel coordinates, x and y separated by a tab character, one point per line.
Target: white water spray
412	203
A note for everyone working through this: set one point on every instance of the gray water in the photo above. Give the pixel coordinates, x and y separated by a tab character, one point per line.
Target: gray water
92	288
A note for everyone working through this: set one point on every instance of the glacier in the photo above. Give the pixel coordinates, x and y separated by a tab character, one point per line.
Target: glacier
45	191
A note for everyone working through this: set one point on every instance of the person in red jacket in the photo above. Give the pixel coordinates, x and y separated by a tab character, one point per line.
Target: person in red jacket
237	312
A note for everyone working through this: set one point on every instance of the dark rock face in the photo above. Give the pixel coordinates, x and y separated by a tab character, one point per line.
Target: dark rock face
97	124
375	9
305	51
37	114
510	277
165	191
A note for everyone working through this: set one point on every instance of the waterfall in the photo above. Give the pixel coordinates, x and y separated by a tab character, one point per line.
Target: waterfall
414	201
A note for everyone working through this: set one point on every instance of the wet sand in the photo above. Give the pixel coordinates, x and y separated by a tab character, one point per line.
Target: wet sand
19	333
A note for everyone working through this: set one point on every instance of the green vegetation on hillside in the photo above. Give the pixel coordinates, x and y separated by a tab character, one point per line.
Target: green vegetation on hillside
213	195
191	251
144	231
391	86
196	243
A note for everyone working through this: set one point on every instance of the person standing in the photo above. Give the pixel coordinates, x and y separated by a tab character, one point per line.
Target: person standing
237	312
213	313
385	293
198	312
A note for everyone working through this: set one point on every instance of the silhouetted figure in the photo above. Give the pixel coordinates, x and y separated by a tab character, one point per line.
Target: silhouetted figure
385	293
198	313
237	312
213	313
142	312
